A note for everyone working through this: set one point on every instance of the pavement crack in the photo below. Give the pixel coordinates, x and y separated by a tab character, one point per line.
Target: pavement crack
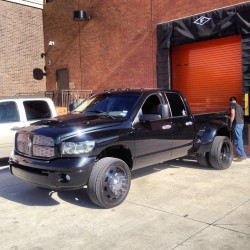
167	212
190	237
214	223
229	229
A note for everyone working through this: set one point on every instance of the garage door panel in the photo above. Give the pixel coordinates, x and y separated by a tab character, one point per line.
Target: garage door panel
208	73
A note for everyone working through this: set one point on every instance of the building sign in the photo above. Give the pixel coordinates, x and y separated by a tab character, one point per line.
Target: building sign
202	20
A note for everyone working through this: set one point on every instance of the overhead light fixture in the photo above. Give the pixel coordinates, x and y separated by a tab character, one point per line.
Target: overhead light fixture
51	43
81	15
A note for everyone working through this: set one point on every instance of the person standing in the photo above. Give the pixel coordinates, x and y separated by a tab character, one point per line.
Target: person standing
237	125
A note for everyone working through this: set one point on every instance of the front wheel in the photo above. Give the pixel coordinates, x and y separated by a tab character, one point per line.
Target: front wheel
109	182
221	154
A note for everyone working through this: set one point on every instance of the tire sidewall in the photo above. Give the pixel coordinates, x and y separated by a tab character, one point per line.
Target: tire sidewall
215	158
97	177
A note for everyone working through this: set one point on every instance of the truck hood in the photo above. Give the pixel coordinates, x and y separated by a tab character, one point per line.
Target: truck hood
71	124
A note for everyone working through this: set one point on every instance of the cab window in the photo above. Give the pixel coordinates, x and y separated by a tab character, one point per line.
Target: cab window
176	104
37	109
9	112
151	105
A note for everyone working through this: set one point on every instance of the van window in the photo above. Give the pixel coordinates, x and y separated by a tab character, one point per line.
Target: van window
9	112
36	109
176	104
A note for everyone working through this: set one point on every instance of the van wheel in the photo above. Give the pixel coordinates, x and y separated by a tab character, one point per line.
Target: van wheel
221	154
203	159
109	182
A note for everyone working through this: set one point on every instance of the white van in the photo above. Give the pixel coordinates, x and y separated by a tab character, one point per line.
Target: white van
19	112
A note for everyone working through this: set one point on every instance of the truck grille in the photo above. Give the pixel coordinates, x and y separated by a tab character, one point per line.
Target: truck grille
35	145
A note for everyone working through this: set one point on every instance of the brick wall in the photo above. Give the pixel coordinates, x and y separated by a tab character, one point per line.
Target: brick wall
117	47
21	44
112	50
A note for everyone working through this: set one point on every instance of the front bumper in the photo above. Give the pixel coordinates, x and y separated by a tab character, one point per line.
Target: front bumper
57	174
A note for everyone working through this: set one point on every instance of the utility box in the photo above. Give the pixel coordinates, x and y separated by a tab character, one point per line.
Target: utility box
61	110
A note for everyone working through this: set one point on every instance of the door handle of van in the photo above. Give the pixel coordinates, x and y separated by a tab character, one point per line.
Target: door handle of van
15	128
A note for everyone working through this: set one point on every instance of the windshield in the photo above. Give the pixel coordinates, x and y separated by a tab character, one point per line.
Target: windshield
118	105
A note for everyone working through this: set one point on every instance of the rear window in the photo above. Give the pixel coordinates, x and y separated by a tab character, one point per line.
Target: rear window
176	104
9	112
36	110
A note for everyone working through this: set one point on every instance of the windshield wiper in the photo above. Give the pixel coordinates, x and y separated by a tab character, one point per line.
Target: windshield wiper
101	112
96	111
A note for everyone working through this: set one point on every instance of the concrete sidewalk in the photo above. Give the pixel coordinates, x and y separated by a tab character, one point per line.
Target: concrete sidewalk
175	205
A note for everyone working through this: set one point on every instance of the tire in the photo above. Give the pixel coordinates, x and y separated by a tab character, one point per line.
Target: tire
221	154
203	159
109	182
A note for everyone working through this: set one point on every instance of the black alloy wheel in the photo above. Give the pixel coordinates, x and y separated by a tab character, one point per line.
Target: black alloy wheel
221	154
109	182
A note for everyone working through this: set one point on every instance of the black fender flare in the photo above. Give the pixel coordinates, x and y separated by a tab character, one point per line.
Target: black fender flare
205	137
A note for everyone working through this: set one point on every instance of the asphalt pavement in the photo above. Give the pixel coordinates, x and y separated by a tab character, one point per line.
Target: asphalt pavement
173	205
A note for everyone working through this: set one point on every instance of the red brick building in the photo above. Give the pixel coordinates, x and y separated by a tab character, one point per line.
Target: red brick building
117	47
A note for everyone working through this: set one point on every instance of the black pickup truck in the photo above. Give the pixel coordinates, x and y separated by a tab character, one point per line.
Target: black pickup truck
112	133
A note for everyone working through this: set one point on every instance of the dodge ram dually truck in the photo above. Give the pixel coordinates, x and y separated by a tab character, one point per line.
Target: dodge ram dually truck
112	133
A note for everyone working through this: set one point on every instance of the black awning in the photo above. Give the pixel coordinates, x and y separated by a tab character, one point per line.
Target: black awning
210	25
230	21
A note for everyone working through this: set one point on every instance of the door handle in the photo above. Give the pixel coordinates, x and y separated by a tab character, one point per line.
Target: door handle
188	123
166	126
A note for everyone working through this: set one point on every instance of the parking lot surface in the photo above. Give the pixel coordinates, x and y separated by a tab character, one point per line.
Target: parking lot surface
173	205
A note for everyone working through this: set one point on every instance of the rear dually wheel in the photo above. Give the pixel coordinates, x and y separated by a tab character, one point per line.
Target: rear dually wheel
221	154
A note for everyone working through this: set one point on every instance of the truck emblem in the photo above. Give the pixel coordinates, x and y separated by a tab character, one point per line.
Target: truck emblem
202	20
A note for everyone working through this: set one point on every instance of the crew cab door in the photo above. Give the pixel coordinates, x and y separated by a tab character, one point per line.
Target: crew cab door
152	134
182	125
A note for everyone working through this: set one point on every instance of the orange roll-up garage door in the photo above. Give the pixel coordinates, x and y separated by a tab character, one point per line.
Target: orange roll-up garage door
208	73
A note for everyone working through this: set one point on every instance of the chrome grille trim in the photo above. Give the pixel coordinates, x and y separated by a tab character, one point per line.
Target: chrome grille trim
23	148
38	146
23	143
40	151
43	140
23	137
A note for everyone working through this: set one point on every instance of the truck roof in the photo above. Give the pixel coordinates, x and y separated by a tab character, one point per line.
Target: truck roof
21	97
136	90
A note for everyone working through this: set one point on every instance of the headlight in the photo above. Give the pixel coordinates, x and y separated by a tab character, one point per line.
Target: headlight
77	147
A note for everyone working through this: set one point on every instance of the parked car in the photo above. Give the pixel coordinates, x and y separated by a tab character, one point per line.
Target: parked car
112	133
20	112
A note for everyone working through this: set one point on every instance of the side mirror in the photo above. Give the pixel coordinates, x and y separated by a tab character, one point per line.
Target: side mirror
163	109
